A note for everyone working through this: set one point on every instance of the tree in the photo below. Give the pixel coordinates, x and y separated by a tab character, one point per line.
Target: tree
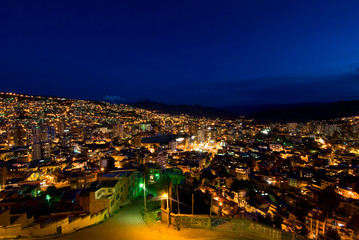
311	144
241	184
354	223
51	190
110	163
328	201
332	234
208	175
277	221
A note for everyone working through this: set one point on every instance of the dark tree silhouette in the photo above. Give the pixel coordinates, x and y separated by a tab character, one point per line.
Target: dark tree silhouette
328	201
332	234
208	175
110	163
354	223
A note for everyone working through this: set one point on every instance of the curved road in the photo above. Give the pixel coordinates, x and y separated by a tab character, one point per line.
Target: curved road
128	224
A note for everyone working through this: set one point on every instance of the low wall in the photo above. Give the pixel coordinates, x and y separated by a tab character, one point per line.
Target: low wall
65	225
10	231
243	226
192	221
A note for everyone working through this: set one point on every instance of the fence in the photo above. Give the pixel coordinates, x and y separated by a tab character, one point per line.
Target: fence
242	226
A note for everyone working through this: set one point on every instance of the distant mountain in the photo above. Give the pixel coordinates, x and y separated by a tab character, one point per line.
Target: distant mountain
299	112
307	112
245	110
191	110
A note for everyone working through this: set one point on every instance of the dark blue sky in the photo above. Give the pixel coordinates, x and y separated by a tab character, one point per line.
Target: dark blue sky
208	52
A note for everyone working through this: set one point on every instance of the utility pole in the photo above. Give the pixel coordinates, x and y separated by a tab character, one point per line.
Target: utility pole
170	195
210	209
192	204
168	209
144	192
325	226
294	229
178	203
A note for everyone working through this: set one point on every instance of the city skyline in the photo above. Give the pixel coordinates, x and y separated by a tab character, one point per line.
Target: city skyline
179	120
66	165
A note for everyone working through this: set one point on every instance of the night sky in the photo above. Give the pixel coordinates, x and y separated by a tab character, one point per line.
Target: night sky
213	53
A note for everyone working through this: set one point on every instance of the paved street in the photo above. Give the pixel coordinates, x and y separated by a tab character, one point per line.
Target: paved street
128	224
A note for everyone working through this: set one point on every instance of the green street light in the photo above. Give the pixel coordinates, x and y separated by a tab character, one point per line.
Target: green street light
48	197
144	192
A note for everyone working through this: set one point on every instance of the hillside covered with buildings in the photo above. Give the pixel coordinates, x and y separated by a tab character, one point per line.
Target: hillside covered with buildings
66	164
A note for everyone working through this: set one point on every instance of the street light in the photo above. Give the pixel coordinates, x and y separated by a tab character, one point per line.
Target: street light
220	208
143	185
165	195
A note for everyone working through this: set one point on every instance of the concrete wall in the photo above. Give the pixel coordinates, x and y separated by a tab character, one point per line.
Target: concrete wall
10	231
192	221
21	219
66	224
243	226
5	217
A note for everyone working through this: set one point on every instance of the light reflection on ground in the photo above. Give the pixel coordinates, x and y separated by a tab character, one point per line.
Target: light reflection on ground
128	224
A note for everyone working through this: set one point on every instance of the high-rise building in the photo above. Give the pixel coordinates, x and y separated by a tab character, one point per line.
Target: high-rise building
202	135
51	132
87	132
3	175
41	150
186	128
115	130
17	136
118	131
60	128
44	136
36	151
33	135
46	150
173	145
121	131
